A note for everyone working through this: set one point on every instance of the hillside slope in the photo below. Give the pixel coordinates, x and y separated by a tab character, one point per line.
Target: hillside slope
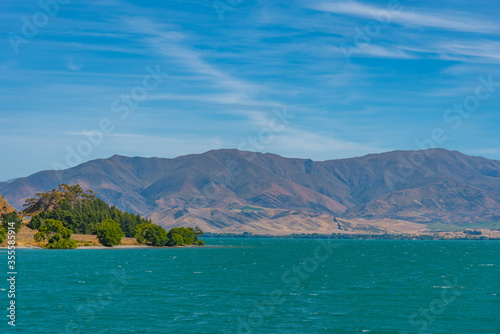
5	206
234	190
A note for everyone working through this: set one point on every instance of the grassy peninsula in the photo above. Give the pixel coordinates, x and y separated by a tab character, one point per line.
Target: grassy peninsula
58	214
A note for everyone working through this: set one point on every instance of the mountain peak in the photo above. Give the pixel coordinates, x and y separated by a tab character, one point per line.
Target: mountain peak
211	188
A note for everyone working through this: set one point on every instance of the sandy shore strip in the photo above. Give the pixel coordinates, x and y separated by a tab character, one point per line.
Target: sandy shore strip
104	247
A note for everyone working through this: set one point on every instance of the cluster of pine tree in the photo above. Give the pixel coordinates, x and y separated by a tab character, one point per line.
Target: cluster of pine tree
81	215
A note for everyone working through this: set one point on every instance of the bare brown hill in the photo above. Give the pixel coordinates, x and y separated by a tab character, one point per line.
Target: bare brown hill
5	206
231	190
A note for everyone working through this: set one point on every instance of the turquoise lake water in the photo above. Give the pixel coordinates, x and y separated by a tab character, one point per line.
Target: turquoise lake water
261	286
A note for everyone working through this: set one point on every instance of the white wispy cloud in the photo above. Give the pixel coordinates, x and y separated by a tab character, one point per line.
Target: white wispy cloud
454	21
235	99
295	141
464	50
74	65
373	50
240	92
168	42
318	146
481	49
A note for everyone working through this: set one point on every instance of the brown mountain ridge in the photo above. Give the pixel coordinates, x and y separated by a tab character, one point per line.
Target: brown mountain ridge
236	191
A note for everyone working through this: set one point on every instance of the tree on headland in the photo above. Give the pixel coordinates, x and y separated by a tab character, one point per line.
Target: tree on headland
10	222
109	233
63	195
11	219
58	236
198	233
175	239
181	236
82	212
79	210
151	234
3	234
155	235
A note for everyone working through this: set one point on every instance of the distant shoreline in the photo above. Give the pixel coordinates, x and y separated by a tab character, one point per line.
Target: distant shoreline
104	247
346	236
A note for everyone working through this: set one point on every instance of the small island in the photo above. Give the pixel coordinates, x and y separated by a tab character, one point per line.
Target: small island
68	217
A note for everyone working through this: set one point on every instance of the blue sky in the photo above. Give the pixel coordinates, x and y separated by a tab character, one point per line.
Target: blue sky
354	77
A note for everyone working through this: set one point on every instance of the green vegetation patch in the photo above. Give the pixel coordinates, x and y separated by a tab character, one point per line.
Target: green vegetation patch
461	227
68	209
10	221
58	236
250	208
109	233
154	235
79	210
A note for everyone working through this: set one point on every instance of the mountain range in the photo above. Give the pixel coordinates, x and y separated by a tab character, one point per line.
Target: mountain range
237	191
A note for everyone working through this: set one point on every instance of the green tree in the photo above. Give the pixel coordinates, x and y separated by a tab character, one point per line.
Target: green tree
58	242
80	211
35	222
151	234
139	232
64	195
176	240
198	233
58	236
109	233
181	236
11	219
3	234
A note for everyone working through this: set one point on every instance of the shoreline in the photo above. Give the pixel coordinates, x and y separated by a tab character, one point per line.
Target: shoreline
104	247
255	237
438	235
